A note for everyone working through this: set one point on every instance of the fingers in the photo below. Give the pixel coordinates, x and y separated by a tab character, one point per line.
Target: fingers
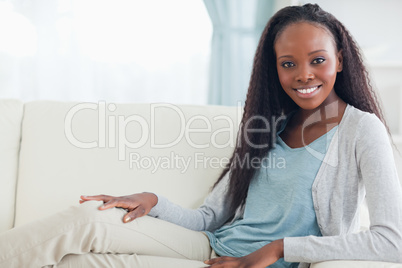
216	260
222	262
136	213
111	201
104	198
137	205
117	203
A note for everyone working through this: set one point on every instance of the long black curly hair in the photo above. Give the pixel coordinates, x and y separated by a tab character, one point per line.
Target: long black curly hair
267	99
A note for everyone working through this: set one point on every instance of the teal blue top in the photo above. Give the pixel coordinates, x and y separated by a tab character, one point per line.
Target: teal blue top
279	202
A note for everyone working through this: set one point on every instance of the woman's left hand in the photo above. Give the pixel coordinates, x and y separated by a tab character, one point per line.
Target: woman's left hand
242	262
261	258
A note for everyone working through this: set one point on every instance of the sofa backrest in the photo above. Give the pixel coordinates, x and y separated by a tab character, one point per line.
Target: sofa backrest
69	149
11	112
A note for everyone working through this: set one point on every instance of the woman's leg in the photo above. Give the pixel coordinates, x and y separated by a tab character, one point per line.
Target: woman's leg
125	260
84	229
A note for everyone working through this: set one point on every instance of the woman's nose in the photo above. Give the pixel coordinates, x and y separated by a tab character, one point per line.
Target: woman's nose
305	74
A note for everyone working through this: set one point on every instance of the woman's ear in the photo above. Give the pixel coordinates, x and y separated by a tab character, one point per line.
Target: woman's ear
340	61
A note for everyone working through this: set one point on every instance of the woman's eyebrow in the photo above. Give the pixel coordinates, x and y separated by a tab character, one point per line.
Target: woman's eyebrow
315	51
310	53
285	56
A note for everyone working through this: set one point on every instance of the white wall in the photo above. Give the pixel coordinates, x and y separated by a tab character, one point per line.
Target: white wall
376	25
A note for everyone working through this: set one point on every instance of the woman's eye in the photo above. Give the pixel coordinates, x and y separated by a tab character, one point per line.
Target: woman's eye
287	64
318	60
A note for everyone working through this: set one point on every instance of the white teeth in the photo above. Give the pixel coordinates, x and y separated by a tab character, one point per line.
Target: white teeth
307	90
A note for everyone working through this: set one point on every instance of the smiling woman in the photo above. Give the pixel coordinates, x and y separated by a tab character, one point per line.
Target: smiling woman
307	73
333	152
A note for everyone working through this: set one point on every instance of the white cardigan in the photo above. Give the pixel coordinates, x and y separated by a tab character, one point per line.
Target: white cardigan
359	163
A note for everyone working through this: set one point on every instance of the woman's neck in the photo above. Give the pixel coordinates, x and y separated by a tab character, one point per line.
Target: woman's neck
331	111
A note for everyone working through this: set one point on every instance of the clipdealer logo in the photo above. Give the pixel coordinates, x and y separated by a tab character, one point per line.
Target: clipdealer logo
110	123
112	133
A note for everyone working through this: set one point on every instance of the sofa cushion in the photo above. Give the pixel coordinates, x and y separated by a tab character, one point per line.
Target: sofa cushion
69	149
11	112
355	264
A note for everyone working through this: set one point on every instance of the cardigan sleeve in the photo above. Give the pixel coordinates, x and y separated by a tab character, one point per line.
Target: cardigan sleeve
383	240
213	213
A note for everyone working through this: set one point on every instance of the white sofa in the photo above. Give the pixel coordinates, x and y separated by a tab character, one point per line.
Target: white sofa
52	152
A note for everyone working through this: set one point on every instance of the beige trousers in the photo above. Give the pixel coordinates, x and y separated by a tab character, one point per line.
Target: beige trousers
83	236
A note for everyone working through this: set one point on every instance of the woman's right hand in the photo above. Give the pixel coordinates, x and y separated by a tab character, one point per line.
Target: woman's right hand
137	205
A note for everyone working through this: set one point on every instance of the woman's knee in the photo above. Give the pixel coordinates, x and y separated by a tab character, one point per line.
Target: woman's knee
90	211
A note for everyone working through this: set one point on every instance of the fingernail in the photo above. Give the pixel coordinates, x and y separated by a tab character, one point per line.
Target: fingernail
127	219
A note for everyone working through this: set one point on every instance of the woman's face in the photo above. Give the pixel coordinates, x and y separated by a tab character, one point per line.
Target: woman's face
307	62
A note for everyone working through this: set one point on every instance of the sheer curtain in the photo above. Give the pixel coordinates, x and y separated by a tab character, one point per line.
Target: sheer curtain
237	26
113	50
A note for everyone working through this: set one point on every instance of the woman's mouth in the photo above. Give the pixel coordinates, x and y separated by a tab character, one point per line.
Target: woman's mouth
307	91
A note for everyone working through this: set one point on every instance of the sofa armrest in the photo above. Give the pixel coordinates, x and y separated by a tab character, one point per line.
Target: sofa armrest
355	264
